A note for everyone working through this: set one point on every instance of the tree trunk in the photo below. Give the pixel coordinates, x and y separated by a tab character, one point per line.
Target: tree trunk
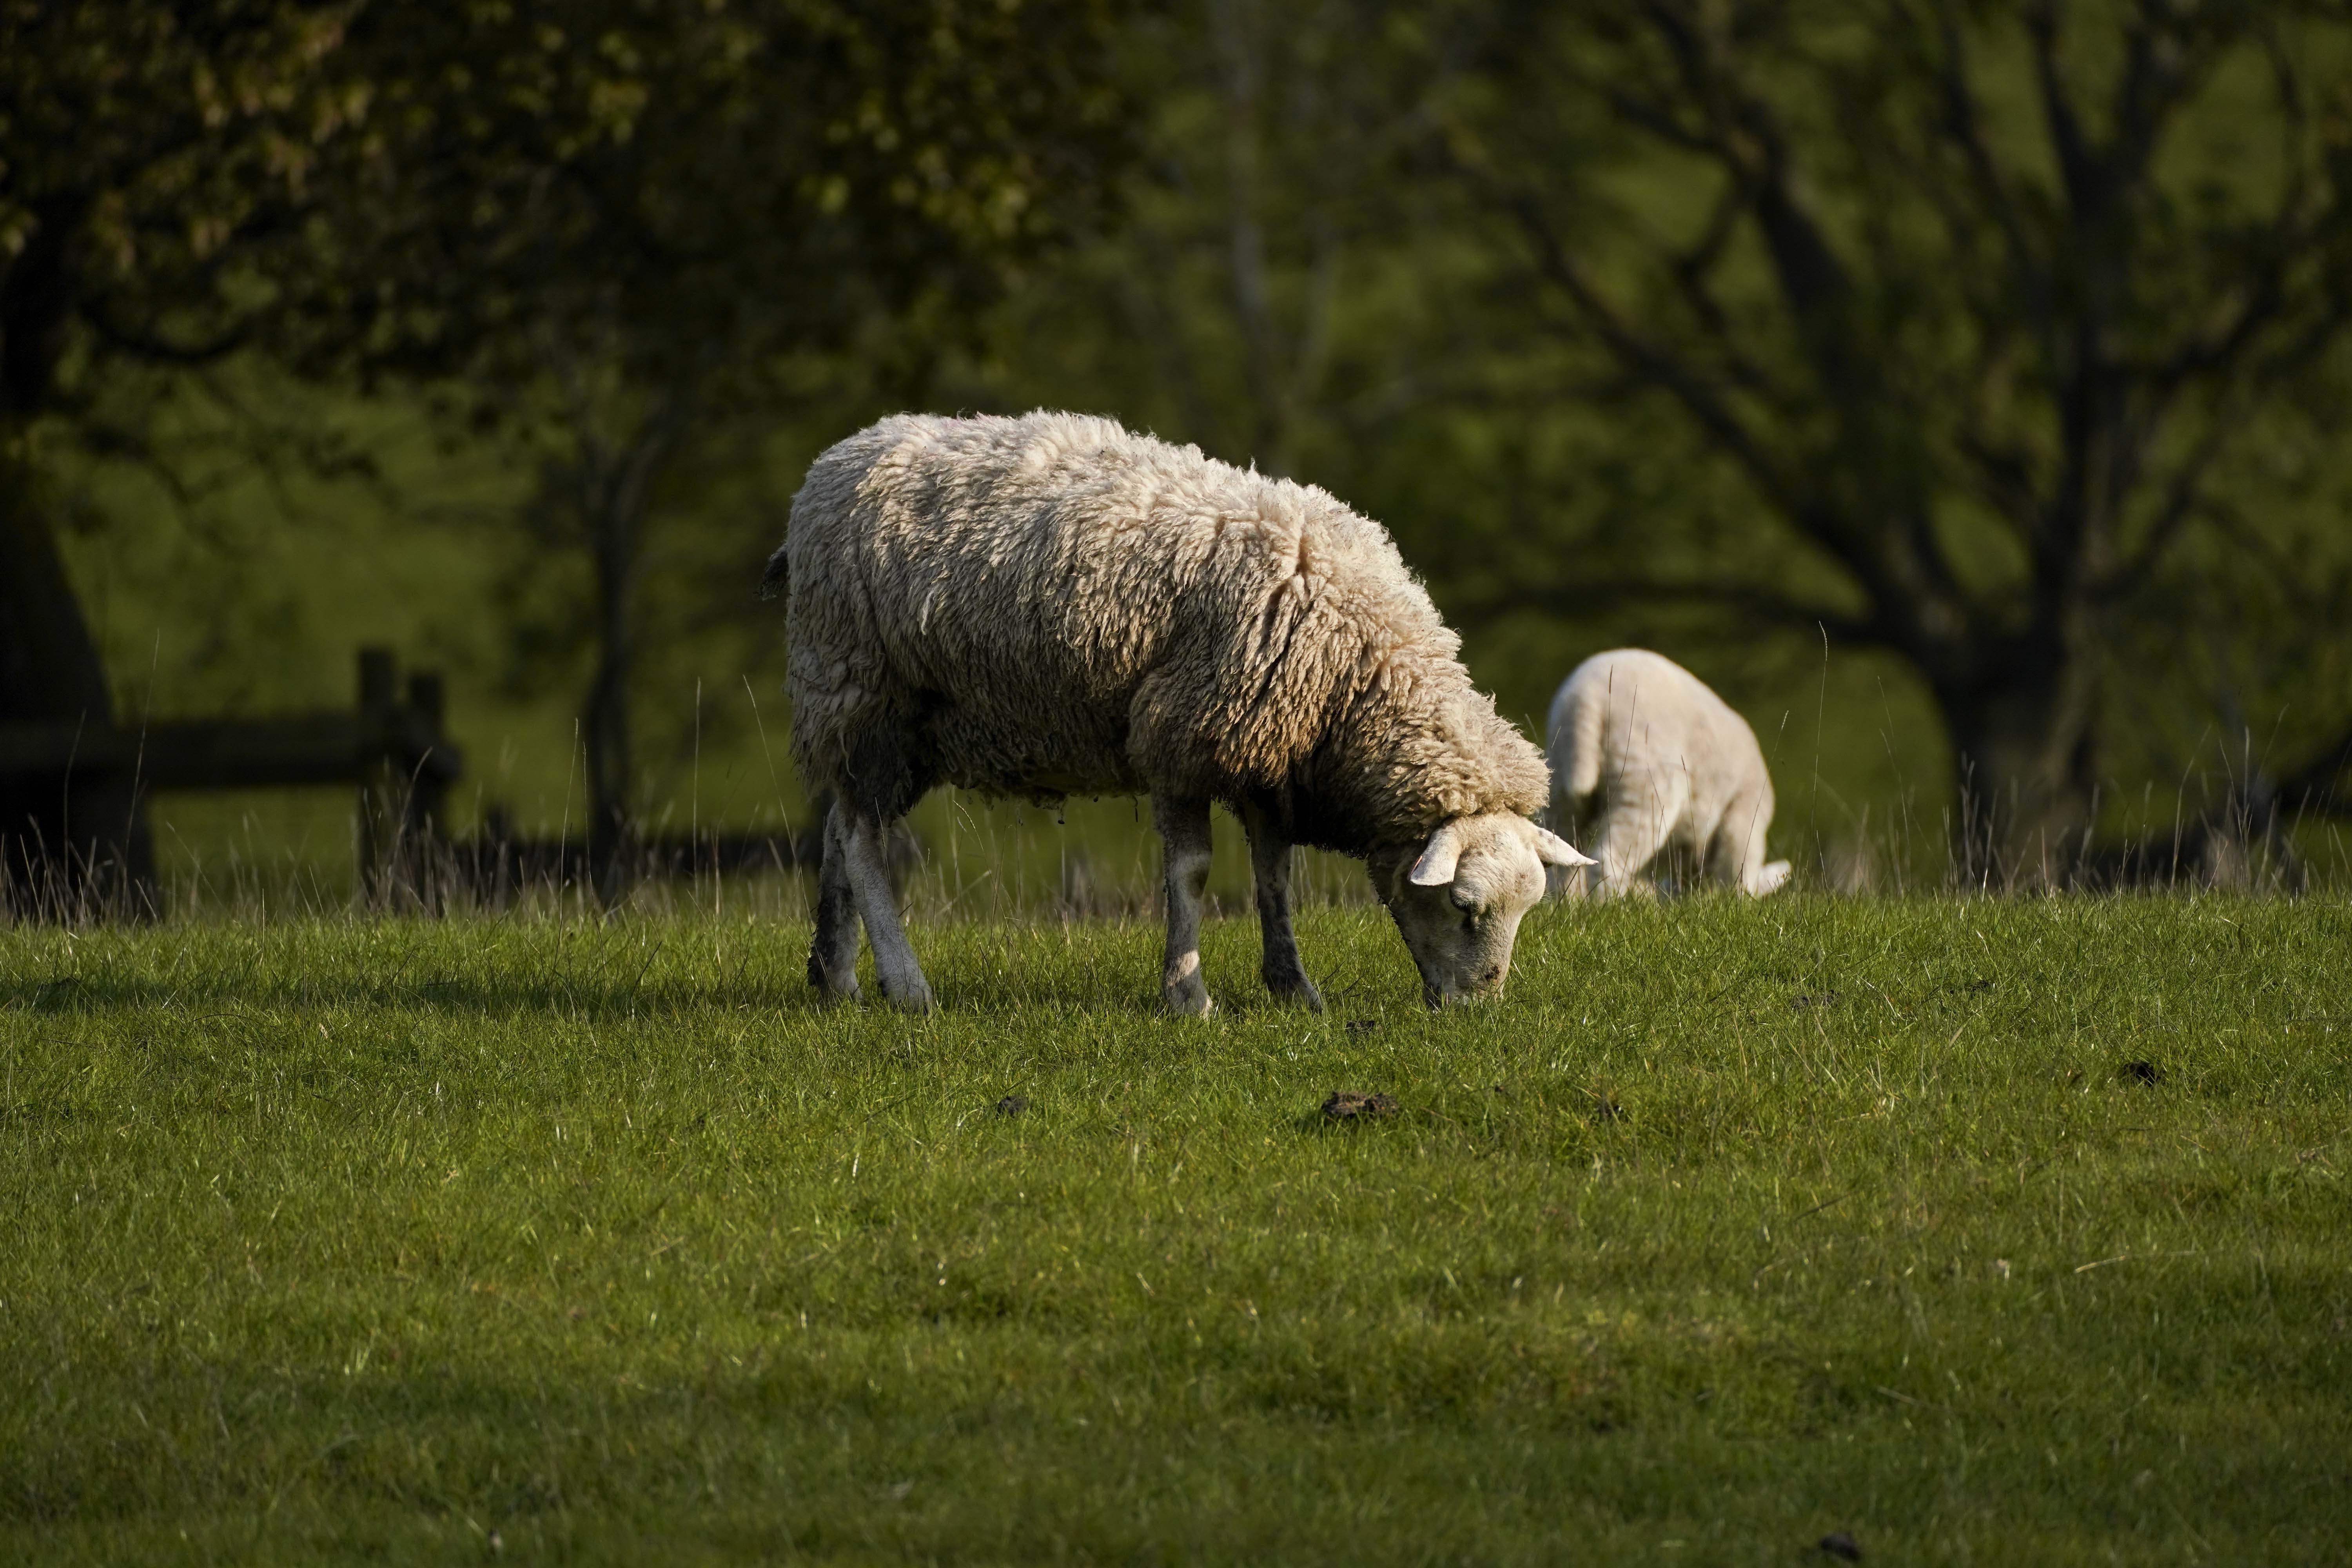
612	487
2024	763
71	844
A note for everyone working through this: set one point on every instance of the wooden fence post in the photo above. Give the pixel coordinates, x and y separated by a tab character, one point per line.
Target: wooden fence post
380	812
426	778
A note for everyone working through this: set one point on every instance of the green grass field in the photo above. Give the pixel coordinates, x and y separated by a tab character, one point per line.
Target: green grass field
1732	1225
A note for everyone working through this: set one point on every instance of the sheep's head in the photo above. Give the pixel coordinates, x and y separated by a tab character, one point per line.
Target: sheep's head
1458	900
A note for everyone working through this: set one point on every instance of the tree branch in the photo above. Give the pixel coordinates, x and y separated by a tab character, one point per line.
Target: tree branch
1757	603
2152	84
154	349
1650	361
1660	123
2075	162
1692	270
1961	124
2181	498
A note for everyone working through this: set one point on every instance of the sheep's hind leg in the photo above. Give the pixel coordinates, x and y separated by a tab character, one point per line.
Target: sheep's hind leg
895	964
1184	840
1281	970
833	958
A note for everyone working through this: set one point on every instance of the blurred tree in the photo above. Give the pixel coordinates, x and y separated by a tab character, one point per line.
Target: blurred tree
151	154
1247	300
618	222
1987	308
605	220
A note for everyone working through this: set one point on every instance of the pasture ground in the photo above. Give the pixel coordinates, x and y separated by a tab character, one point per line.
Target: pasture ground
1980	1231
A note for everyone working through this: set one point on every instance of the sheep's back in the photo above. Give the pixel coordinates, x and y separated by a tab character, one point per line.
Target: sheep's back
1628	717
1074	607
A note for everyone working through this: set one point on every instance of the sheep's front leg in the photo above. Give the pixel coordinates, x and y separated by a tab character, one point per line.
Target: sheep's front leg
1184	840
1284	974
895	966
1636	827
833	957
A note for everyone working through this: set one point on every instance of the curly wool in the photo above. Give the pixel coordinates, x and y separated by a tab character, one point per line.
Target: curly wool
1052	605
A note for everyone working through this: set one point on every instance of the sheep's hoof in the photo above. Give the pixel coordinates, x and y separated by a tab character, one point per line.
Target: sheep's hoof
1296	991
1189	998
830	988
916	998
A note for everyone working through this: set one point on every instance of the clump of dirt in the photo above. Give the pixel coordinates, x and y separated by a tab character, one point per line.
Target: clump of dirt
1013	1105
1345	1105
1840	1546
2142	1072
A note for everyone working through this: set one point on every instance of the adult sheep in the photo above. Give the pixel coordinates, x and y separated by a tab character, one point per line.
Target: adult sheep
1649	760
1052	605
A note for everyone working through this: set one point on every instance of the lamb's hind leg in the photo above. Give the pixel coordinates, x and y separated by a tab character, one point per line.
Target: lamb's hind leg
1281	970
896	967
1184	840
1735	857
833	958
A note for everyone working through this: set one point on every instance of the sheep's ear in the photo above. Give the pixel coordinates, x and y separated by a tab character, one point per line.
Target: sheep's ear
1435	867
1554	851
778	576
1769	878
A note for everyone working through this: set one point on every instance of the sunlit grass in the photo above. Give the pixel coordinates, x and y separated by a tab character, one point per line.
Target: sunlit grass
1733	1224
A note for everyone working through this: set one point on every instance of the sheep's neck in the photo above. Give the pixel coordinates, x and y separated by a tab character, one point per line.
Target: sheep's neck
1386	773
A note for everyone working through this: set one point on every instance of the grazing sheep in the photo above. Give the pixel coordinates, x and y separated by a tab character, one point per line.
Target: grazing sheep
1051	606
1650	760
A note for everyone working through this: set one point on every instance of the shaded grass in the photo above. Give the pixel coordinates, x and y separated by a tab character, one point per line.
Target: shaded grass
1731	1226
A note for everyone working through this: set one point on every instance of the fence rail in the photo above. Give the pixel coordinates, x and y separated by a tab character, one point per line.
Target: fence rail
392	745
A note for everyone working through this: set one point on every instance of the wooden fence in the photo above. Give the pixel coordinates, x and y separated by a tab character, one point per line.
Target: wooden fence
392	745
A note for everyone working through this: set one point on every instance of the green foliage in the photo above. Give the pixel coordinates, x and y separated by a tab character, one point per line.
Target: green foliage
618	231
677	188
388	187
152	157
1990	312
1722	328
1311	265
1731	1226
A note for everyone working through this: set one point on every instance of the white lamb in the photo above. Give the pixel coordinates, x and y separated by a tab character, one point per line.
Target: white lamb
1051	606
1646	759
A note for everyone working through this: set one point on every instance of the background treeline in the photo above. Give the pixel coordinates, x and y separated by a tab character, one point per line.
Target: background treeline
1960	388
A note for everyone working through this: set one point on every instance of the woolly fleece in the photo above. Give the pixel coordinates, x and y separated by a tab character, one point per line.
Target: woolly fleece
1052	605
1651	759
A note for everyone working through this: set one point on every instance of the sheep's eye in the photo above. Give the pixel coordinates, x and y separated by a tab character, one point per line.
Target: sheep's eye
1465	901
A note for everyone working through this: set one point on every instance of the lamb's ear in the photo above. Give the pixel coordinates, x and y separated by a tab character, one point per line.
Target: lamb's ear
1435	867
1554	851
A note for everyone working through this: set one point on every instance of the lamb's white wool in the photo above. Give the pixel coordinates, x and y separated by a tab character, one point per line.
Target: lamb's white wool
1645	758
1052	605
